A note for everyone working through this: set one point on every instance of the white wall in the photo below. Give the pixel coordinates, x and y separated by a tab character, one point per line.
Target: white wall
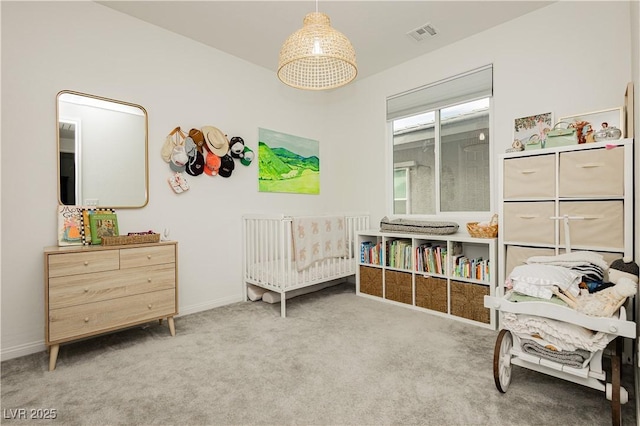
548	60
539	63
86	47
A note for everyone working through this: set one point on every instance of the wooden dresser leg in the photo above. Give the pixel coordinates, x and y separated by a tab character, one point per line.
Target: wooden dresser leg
172	327
160	321
53	356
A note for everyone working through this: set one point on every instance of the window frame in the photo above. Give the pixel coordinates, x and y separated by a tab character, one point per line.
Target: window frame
450	215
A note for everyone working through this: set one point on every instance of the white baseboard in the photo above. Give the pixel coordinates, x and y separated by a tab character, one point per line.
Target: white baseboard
22	350
186	310
39	346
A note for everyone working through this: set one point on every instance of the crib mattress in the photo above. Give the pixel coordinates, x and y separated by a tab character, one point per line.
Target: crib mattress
274	274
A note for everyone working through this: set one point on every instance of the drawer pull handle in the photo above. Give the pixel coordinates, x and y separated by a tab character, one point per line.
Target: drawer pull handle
527	216
86	319
528	171
86	263
589	165
148	256
149	306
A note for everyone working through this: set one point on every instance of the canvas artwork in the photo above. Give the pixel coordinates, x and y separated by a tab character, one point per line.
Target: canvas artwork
69	225
288	163
533	129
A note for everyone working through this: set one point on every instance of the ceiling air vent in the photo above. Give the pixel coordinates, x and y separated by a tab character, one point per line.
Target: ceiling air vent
423	32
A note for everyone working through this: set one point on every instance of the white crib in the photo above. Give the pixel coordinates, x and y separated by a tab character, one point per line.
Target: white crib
268	260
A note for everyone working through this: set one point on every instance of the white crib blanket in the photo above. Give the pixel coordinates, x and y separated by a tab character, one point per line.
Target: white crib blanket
317	238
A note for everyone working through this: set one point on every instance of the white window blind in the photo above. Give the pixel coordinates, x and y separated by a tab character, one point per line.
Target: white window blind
464	87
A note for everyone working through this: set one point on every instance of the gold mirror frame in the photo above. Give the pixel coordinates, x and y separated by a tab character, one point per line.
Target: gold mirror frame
102	151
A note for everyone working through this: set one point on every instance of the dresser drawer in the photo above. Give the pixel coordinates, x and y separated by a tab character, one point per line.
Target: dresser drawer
530	177
64	264
592	173
144	256
602	226
88	288
529	222
83	320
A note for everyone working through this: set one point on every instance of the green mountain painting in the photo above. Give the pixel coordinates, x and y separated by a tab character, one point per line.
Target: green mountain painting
288	163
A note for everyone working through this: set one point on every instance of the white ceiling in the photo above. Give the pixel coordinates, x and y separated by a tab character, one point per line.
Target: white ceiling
255	30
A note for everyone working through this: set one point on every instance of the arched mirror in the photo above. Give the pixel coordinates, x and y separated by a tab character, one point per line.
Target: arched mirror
102	152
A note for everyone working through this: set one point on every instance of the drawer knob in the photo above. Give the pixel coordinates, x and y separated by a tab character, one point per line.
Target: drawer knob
86	262
86	290
148	280
148	256
149	306
86	319
613	329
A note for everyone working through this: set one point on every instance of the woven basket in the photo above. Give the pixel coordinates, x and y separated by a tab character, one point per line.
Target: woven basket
130	239
490	231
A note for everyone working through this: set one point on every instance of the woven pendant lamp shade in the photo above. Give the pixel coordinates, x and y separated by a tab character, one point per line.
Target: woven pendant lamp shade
317	57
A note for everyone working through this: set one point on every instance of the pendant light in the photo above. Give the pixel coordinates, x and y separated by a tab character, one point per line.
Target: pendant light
317	57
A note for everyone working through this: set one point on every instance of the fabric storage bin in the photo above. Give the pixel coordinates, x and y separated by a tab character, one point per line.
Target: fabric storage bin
467	301
371	280
602	225
517	255
592	173
529	222
530	177
398	287
431	293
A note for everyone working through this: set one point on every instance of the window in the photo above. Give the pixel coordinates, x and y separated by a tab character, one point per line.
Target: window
441	146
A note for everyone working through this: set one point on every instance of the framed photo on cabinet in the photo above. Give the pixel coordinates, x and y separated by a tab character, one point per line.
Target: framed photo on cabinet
589	124
532	130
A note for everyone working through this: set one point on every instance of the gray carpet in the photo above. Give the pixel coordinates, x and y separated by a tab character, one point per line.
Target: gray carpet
337	359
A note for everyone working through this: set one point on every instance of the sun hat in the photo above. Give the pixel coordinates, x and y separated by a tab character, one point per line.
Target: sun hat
212	164
216	141
236	146
195	166
197	137
227	166
173	139
247	156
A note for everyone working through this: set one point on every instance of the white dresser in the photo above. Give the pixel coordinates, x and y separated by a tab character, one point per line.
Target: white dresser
590	185
91	290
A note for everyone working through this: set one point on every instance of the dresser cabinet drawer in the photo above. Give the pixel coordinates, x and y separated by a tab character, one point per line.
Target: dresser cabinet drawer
530	177
530	222
602	225
144	256
592	173
83	320
80	289
64	264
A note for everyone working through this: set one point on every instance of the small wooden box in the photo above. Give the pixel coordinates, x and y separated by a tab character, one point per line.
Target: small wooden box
371	280
467	301
397	286
431	293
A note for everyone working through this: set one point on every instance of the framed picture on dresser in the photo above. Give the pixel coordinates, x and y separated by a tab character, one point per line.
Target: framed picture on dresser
103	225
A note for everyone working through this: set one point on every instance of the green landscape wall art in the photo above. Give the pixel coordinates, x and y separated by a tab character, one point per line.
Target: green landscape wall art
288	163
